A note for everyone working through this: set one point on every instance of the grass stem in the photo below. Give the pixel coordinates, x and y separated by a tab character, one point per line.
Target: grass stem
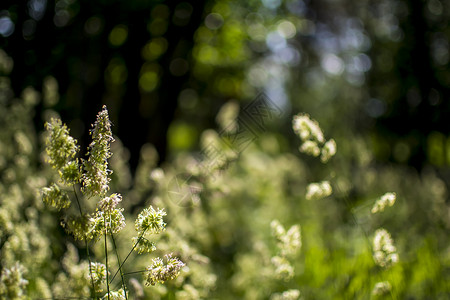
120	265
86	244
106	256
129	253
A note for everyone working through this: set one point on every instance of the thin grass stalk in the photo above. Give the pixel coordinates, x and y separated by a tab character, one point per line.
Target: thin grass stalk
120	268
129	253
134	272
86	244
106	255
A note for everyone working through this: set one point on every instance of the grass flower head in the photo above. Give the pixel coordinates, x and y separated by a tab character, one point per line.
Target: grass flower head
387	199
95	179
150	221
385	253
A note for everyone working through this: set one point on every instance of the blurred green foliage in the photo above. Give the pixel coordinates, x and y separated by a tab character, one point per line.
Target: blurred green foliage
373	73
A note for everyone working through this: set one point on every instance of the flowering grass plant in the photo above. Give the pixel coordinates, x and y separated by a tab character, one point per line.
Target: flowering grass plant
91	176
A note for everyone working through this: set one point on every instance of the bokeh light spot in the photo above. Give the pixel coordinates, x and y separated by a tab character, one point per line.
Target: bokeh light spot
157	27
435	7
182	14
181	136
154	49
275	41
36	8
257	75
93	26
61	18
206	54
116	72
214	21
148	81
332	64
286	29
273	4
6	26
118	35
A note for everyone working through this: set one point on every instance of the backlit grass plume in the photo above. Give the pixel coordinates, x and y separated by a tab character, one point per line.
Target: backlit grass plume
95	179
387	199
161	271
62	150
384	251
312	137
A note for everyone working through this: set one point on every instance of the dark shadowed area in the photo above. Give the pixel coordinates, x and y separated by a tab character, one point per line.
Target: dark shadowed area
165	67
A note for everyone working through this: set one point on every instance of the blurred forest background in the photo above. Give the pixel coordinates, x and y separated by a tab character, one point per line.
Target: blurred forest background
374	74
164	68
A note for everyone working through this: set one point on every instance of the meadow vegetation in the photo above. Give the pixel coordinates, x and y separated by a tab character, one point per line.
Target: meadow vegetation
304	216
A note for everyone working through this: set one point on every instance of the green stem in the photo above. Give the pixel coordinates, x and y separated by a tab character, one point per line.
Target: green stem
120	268
86	244
134	272
106	254
137	242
